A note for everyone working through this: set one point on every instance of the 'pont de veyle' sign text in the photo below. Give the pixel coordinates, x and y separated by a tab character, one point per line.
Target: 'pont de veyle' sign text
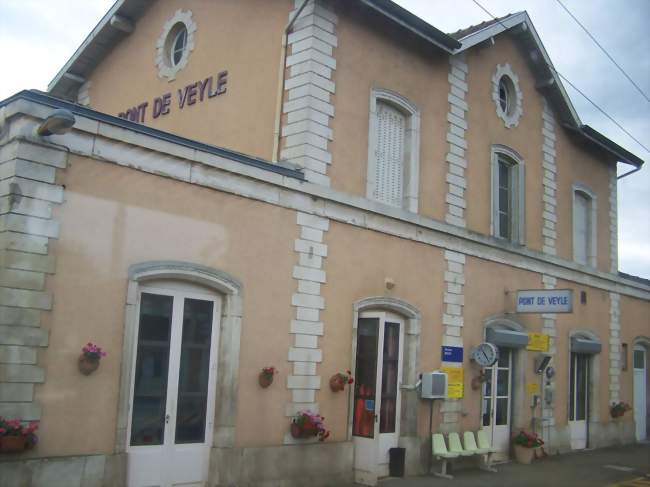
545	301
191	94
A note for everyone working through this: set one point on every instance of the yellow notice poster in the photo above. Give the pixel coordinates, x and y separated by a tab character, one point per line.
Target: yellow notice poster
455	391
532	388
455	377
537	342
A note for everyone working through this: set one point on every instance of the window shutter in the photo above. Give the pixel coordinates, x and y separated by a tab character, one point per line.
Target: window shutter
581	228
389	170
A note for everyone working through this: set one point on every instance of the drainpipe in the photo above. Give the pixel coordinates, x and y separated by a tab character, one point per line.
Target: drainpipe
278	106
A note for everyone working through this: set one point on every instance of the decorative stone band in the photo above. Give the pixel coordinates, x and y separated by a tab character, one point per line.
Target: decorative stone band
549	230
549	328
28	194
613	221
306	130
307	327
453	321
456	161
614	347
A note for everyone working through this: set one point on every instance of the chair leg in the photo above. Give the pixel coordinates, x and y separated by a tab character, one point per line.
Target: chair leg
487	463
443	473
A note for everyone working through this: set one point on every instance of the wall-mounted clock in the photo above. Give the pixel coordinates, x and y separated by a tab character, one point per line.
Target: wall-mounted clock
485	354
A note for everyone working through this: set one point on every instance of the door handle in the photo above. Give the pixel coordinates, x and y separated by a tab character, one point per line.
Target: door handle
166	418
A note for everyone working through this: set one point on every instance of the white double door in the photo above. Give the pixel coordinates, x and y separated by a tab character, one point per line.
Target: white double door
496	405
377	398
640	360
578	400
173	387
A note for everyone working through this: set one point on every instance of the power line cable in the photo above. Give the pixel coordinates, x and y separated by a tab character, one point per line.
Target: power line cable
604	50
552	68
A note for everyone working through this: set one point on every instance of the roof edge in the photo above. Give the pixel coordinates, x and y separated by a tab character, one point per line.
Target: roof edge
414	23
621	154
89	38
48	100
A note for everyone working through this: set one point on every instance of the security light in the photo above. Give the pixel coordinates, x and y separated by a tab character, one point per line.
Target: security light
59	122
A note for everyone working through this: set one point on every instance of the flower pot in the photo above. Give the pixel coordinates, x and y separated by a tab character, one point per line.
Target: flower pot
87	365
337	383
12	444
265	380
304	432
523	454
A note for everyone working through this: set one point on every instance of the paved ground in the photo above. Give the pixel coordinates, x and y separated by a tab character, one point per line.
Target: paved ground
627	466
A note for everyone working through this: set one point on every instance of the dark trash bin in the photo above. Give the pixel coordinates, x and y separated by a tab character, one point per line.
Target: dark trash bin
396	460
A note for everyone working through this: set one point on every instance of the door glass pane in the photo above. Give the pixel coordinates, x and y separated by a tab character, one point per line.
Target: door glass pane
639	359
487	404
194	371
501	413
581	388
487	385
572	388
502	382
389	378
151	370
366	378
504	357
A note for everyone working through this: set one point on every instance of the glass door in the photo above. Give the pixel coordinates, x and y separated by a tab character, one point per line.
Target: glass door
376	402
172	391
497	402
578	400
639	363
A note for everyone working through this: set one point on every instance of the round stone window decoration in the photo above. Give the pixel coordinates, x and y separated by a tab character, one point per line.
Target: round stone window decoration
507	95
175	44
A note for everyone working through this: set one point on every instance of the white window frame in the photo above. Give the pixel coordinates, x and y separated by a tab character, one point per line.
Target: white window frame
518	197
592	247
164	46
515	108
411	179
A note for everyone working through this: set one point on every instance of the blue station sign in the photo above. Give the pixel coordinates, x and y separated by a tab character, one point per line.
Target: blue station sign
452	354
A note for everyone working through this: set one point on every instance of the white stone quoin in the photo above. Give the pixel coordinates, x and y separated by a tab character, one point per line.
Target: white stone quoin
456	161
309	88
305	354
549	216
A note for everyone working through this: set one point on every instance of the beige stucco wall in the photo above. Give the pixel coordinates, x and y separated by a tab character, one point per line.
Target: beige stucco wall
114	217
373	53
576	164
359	262
486	129
243	38
635	323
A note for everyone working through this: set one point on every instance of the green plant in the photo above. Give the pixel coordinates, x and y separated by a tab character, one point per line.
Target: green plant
306	424
618	409
527	440
14	427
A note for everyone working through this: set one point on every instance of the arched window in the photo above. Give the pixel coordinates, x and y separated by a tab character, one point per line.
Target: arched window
508	189
584	225
393	150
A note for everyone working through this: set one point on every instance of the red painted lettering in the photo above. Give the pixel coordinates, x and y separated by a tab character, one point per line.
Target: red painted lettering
222	79
166	100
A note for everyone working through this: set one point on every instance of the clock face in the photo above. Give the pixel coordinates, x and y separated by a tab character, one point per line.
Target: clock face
485	354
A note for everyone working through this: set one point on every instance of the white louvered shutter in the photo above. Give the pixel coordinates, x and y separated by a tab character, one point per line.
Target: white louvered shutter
581	228
389	153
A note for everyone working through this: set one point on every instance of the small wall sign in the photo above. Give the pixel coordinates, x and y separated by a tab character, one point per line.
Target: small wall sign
452	354
537	342
545	301
455	379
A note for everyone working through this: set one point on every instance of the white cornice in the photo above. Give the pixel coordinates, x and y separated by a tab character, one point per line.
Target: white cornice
112	144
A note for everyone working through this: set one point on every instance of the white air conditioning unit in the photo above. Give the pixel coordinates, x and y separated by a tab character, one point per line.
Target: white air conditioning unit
434	385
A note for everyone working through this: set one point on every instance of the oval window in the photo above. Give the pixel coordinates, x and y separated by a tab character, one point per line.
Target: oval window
506	94
178	44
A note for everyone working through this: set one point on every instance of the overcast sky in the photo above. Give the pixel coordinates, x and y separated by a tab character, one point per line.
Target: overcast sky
39	36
